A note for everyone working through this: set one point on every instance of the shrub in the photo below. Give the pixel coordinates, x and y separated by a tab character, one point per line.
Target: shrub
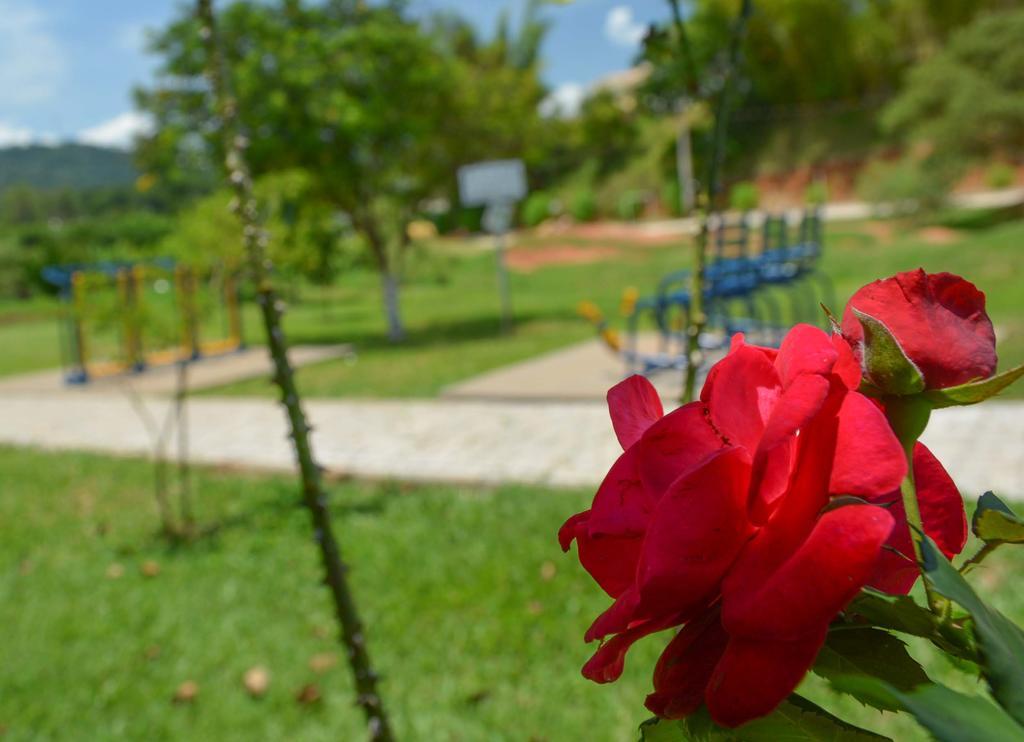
583	206
744	196
1000	175
630	206
671	198
536	208
905	183
816	193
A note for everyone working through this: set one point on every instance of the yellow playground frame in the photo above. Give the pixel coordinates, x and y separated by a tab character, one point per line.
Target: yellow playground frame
138	349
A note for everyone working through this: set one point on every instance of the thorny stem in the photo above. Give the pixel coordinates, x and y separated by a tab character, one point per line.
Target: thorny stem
698	318
909	417
314	497
913	512
978	558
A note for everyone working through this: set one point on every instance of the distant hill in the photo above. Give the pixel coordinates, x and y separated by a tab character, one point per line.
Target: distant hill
65	165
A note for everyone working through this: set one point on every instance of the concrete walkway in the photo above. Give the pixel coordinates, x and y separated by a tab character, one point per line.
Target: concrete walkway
547	443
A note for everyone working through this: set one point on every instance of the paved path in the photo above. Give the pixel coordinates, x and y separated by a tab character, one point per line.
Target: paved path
550	443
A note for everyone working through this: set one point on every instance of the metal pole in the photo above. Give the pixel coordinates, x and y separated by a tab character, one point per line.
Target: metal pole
503	286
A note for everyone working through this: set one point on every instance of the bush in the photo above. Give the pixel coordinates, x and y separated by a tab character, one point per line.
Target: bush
630	206
1000	175
583	206
671	198
536	209
905	183
744	196
816	193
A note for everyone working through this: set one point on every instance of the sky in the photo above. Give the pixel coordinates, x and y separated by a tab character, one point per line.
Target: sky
67	67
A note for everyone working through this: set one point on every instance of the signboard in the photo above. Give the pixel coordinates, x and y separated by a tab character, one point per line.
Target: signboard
491	182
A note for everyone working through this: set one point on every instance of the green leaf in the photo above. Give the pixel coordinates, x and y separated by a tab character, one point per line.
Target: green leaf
950	716
869	651
795	720
993	521
896	612
975	391
1000	641
886	365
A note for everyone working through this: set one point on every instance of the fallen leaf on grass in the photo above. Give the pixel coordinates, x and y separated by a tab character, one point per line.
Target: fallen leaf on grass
186	692
548	570
150	568
308	694
322	662
256	680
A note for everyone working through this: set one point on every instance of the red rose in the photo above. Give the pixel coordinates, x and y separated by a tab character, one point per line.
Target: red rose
939	320
712	519
942	515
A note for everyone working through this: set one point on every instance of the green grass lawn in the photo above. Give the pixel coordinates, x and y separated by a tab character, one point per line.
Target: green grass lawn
475	617
450	306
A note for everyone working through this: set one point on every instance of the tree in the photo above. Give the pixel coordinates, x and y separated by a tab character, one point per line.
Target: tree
966	102
357	95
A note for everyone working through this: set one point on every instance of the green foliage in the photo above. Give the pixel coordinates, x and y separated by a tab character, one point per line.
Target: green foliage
816	194
908	183
795	719
869	651
583	206
671	198
1000	641
65	166
630	206
965	101
885	364
950	716
536	209
1000	175
975	391
995	523
744	197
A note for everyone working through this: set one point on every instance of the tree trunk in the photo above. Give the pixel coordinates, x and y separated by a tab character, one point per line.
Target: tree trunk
389	290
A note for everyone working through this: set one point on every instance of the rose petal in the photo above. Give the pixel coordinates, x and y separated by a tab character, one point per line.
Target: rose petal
610	561
869	459
805	350
634	406
674	445
622	505
697	530
773	461
847	366
807	591
685	667
943	517
754	676
608	661
740	395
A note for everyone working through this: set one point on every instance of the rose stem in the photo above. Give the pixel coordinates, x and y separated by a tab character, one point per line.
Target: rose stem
313	494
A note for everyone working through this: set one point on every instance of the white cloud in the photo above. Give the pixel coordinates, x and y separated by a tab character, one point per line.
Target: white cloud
119	132
15	136
32	61
564	101
622	28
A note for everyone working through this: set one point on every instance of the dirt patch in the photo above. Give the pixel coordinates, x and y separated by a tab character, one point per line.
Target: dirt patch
634	233
527	260
881	231
938	235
